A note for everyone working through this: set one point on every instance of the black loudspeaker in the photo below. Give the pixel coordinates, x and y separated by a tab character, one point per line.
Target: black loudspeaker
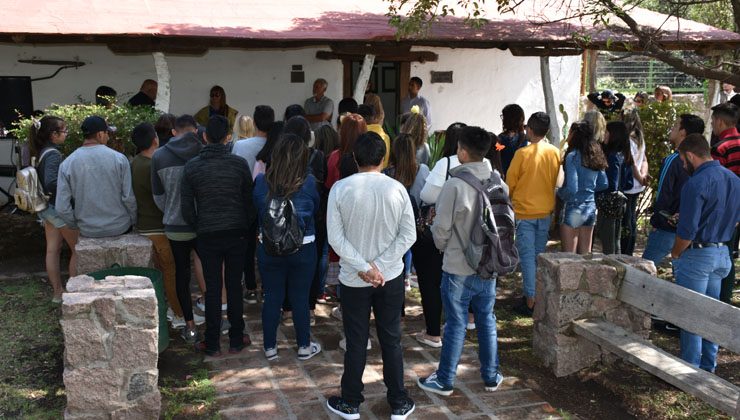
16	97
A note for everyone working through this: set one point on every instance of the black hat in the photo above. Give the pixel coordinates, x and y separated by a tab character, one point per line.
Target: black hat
94	124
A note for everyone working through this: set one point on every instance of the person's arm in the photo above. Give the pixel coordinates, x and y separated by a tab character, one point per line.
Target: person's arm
158	193
247	192
570	187
404	239
628	180
692	201
187	200
620	101
428	112
443	221
719	156
433	184
51	162
127	190
324	115
64	197
602	183
512	175
613	174
337	238
594	98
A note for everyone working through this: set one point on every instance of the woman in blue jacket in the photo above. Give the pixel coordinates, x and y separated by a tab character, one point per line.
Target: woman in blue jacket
288	176
584	166
612	202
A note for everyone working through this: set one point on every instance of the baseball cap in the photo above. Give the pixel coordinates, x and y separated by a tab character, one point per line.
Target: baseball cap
94	124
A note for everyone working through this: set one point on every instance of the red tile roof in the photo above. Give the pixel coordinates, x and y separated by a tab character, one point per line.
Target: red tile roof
311	21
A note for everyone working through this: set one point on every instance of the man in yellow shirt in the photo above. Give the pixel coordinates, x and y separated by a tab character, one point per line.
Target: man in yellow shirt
368	113
532	177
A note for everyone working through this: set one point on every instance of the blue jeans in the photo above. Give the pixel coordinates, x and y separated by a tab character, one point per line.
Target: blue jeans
459	292
701	270
407	262
294	274
531	240
659	245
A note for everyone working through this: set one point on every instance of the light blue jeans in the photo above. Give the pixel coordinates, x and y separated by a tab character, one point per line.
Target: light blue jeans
531	240
701	270
659	245
459	292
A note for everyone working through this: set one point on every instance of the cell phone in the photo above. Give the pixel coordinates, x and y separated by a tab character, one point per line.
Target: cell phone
665	214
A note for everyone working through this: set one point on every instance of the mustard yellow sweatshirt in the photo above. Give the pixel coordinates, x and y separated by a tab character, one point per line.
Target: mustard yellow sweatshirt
532	178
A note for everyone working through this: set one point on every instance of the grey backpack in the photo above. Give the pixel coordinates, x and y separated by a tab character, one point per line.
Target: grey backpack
491	250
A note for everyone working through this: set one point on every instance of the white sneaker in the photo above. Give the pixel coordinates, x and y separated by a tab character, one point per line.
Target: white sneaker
177	322
271	354
170	314
305	353
336	312
199	320
200	304
343	344
470	326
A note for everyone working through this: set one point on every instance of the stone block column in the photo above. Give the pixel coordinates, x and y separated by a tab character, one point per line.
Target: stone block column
110	348
132	250
571	287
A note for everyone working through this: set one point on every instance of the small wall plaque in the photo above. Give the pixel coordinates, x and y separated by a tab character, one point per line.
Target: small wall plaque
296	74
441	77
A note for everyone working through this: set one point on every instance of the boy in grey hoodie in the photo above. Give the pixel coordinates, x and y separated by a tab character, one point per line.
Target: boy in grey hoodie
167	166
461	286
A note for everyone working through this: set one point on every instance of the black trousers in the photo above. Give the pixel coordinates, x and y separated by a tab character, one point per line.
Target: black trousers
608	230
428	262
214	254
728	283
181	255
386	304
250	278
629	225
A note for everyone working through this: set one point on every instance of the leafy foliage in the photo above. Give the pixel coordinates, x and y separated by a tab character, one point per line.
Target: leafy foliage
657	119
436	146
123	117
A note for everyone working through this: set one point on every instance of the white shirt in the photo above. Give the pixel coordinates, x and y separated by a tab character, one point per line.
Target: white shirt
638	155
438	176
369	219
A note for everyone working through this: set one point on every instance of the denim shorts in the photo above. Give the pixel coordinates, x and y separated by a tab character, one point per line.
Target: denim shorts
49	214
576	215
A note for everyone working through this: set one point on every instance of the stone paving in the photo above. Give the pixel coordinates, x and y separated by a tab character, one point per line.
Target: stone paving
249	386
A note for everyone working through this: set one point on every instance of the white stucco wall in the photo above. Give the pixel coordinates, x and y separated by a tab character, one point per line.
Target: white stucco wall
484	81
250	78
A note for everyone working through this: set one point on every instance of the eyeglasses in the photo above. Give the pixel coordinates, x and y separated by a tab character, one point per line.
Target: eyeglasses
63	131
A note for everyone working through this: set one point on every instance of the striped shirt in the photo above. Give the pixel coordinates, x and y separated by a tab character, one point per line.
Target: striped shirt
727	151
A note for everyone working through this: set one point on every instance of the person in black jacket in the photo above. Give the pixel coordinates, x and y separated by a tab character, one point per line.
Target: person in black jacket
217	202
607	101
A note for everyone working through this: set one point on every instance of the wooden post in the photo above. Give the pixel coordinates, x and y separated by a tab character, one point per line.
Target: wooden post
554	134
162	102
361	85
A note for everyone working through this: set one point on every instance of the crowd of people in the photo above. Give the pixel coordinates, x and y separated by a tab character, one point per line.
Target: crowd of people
348	213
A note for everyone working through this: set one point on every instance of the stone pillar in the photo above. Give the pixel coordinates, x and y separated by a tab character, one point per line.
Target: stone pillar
131	250
570	287
110	348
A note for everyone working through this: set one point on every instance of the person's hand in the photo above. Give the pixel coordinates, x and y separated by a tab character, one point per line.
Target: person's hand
673	220
372	276
379	279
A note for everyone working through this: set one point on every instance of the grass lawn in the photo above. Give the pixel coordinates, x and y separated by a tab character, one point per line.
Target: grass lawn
31	361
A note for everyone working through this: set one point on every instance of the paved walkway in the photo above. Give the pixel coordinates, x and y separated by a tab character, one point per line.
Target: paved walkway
249	386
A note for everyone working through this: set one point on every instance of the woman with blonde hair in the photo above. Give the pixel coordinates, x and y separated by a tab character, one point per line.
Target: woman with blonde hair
244	128
416	127
374	101
597	122
663	93
216	106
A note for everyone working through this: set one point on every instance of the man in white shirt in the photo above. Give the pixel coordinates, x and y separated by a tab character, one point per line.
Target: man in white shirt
413	98
370	225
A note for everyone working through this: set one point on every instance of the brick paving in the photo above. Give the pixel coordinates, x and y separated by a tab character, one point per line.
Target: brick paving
249	386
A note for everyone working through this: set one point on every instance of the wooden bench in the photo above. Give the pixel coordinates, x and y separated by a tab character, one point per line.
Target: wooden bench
714	320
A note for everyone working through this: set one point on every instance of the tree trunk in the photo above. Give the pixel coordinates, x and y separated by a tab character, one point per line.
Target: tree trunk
363	78
162	102
554	134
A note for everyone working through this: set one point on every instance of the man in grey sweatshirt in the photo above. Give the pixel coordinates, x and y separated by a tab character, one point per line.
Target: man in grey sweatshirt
370	226
94	189
461	286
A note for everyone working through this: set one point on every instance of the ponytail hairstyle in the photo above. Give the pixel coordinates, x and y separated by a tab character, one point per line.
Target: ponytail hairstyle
41	132
634	127
416	127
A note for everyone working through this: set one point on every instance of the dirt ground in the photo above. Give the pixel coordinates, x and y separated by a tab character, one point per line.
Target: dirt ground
615	391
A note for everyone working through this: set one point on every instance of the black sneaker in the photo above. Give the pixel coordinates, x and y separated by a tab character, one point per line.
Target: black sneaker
343	408
523	309
404	410
250	297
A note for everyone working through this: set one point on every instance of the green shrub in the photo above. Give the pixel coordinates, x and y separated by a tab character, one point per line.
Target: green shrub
657	119
123	117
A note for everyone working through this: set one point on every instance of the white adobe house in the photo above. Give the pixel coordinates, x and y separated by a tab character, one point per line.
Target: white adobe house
265	52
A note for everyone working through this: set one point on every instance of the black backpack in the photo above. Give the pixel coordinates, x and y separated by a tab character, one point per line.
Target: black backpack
491	250
282	230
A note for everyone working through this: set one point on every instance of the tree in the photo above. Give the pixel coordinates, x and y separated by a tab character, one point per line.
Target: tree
415	17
